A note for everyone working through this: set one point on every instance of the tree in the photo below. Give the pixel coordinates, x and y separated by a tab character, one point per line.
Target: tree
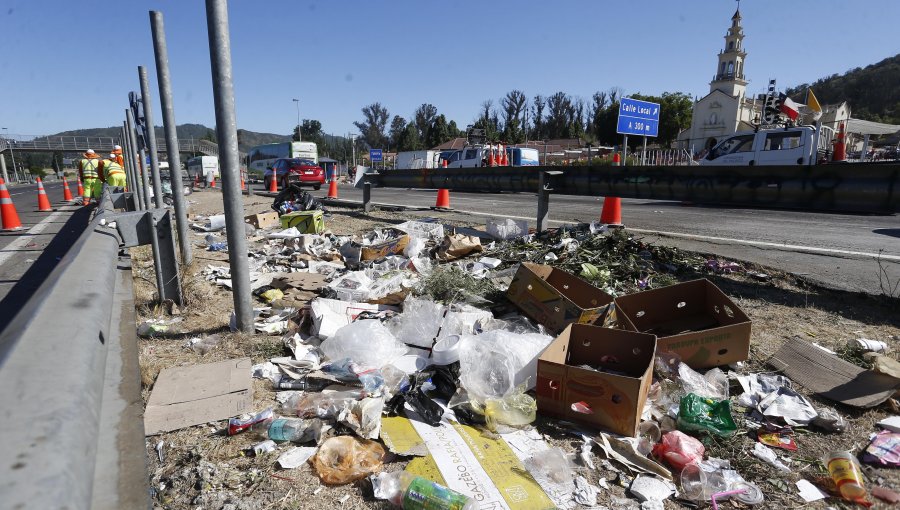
513	105
489	121
597	108
453	130
309	131
675	111
372	127
537	115
210	136
424	118
439	132
398	125
409	139
559	115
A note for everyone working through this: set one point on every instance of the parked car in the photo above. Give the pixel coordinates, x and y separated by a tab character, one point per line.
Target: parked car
295	170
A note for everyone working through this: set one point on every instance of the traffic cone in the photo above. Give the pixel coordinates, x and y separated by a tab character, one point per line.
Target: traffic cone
43	201
504	160
443	200
840	148
616	159
67	193
196	180
243	184
273	184
612	211
445	163
8	210
80	187
332	189
213	183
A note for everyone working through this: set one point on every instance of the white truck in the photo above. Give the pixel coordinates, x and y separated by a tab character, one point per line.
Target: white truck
203	166
472	156
418	159
798	145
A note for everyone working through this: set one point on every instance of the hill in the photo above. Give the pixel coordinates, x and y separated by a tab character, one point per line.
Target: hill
872	91
246	139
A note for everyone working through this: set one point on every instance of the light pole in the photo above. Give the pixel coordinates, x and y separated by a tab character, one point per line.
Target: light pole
11	153
353	148
299	136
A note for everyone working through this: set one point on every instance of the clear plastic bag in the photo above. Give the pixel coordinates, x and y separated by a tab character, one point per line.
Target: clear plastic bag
366	342
345	459
515	410
493	364
554	464
419	323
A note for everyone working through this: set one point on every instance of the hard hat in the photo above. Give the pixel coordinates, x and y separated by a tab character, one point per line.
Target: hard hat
112	156
117	148
89	151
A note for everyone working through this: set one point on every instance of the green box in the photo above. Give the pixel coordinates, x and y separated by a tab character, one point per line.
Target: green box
307	222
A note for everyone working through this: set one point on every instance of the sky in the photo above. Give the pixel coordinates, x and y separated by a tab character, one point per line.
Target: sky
70	64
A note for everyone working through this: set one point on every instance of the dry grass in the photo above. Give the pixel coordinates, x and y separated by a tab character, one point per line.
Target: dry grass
204	468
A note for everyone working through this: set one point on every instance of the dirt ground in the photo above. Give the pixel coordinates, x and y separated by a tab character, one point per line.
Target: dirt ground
203	468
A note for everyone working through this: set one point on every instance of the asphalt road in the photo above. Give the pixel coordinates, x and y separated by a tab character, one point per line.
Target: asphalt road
29	255
836	250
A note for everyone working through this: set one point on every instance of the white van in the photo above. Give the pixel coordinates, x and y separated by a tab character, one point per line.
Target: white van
780	146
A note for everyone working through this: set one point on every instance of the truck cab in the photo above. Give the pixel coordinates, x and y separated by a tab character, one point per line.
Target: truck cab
780	146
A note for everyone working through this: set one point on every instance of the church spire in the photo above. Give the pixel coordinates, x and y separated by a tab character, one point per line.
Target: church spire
729	77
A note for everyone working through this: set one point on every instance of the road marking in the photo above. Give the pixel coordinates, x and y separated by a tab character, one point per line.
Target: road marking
765	244
13	247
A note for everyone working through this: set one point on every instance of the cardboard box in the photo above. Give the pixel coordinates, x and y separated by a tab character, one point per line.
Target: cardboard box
263	220
611	399
390	247
693	319
556	298
307	222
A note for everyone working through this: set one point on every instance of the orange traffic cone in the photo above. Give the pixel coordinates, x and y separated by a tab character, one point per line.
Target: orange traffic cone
273	184
213	183
332	189
840	148
612	211
445	163
43	201
504	160
8	210
67	193
616	159
443	200
80	187
243	184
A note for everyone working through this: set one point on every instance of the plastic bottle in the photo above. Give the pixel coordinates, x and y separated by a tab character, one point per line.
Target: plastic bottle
847	476
411	492
289	429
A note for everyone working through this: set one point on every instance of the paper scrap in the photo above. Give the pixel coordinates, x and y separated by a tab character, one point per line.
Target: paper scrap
810	492
296	457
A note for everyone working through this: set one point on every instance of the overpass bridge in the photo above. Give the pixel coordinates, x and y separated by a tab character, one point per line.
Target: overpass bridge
100	144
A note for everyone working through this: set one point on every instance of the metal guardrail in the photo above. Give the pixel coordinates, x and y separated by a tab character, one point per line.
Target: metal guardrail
72	437
846	187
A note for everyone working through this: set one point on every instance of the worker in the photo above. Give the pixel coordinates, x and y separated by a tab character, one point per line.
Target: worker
89	170
113	172
117	150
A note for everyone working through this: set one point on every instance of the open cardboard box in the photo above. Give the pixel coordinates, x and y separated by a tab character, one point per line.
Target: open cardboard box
556	298
612	399
693	319
263	220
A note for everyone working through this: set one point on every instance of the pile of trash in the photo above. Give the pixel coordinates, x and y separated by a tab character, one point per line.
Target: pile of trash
435	348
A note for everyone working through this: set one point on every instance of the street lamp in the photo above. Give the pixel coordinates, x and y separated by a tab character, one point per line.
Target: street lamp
11	153
299	136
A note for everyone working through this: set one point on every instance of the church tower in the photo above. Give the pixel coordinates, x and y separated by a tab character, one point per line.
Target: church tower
729	76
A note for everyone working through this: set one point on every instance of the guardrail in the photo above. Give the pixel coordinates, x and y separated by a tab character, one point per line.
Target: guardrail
73	435
870	188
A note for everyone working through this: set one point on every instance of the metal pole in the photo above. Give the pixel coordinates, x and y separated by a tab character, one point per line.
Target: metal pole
140	167
226	134
135	175
624	150
129	174
168	111
644	153
3	168
12	155
150	133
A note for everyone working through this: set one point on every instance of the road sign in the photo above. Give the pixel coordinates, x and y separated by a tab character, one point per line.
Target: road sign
375	155
638	117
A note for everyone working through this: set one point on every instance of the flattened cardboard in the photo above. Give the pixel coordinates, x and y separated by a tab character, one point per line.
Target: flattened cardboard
615	399
263	220
306	222
693	319
831	377
186	396
383	249
556	298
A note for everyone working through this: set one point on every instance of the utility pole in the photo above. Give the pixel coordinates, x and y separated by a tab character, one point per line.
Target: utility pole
299	136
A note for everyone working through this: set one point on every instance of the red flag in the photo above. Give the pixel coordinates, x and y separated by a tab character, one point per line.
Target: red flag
789	107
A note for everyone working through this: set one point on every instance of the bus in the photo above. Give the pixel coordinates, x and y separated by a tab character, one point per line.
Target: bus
262	157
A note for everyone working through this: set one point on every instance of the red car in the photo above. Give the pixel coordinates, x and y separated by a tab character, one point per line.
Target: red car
295	170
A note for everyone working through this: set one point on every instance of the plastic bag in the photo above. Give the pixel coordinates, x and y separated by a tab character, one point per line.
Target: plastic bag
678	449
494	363
713	384
414	248
701	414
321	405
419	323
552	463
515	410
345	459
366	342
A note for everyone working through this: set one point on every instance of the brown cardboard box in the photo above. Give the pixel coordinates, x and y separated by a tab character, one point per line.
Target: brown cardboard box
693	319
383	249
614	398
263	220
556	298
